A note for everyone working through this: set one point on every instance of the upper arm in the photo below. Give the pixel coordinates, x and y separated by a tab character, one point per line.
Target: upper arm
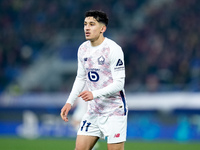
117	63
81	70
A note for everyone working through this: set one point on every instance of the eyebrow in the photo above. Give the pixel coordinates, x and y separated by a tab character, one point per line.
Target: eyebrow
89	22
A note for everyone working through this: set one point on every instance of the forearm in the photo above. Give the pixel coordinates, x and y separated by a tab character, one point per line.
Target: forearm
78	86
79	83
114	87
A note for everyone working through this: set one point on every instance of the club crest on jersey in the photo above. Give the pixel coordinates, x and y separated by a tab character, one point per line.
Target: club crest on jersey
101	60
85	59
119	63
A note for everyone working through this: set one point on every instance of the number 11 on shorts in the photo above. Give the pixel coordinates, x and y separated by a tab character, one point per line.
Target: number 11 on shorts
88	124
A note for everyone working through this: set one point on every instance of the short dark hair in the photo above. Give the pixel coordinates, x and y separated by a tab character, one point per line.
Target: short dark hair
99	15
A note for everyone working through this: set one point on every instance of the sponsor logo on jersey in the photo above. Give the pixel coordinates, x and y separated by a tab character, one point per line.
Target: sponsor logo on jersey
101	60
119	63
117	135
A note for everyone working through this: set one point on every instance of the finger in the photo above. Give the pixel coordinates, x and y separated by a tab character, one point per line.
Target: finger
84	96
81	94
63	116
65	119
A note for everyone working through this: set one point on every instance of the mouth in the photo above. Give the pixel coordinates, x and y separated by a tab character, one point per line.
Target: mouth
87	33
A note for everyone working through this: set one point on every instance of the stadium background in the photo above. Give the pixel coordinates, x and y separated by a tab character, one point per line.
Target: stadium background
160	40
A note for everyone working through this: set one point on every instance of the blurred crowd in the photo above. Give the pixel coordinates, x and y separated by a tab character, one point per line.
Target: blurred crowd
164	55
26	26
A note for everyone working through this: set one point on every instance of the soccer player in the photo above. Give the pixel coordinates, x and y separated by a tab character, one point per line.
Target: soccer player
101	68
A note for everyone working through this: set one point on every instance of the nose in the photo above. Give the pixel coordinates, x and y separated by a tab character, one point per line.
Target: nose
86	27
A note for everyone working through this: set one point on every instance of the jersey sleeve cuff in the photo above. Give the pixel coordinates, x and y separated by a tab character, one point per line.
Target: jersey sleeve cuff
94	93
70	102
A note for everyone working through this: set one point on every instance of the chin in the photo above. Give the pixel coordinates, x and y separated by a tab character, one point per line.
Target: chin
87	38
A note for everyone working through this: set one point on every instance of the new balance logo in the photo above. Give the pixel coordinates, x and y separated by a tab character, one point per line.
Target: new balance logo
119	63
117	135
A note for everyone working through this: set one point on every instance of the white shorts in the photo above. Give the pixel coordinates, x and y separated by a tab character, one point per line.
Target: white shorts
113	128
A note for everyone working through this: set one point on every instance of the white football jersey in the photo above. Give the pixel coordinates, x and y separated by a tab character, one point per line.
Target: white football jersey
102	68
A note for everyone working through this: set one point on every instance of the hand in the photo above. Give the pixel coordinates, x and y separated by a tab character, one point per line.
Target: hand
64	111
86	95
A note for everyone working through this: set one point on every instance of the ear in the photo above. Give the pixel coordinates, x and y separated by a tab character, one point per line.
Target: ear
103	29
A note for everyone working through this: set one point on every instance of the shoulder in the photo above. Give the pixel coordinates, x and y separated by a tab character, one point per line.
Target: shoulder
113	46
84	45
112	43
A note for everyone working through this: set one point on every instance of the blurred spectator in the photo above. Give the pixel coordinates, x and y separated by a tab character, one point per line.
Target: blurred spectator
164	55
167	46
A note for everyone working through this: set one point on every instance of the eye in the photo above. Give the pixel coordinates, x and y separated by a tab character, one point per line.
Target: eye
92	24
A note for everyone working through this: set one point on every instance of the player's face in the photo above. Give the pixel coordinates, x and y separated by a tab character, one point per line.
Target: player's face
92	29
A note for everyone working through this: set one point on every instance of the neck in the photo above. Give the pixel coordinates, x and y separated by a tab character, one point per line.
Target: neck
97	41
